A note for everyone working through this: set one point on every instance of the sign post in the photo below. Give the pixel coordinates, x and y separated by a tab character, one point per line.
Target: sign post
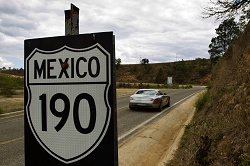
70	100
72	20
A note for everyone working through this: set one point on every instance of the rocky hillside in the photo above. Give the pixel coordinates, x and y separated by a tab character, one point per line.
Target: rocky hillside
219	133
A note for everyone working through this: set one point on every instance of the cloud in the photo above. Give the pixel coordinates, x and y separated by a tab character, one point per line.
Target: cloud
5	63
157	30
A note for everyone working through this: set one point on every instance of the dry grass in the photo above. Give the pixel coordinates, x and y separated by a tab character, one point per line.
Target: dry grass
15	103
123	92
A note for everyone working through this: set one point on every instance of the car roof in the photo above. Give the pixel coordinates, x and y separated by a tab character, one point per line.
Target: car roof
148	89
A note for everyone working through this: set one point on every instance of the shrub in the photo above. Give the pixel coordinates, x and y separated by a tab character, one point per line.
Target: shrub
168	86
140	86
200	102
187	86
7	85
128	85
175	86
244	159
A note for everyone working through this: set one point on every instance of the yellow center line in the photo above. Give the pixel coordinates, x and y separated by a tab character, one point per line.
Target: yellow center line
12	140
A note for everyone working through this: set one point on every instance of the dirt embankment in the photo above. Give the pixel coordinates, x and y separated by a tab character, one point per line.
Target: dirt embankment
155	144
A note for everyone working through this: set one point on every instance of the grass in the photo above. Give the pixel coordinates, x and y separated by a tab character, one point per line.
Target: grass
200	102
123	92
14	103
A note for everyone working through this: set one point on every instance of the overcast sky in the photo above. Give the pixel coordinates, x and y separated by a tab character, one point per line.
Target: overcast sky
159	30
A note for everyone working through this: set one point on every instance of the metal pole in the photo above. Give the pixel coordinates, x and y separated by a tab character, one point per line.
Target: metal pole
72	21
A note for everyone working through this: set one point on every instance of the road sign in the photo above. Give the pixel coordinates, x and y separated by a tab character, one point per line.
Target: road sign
69	100
169	80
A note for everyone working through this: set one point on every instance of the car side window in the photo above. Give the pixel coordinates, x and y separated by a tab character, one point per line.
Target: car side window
159	93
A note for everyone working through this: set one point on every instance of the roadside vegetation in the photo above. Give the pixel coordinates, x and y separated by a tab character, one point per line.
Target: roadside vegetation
152	86
11	93
12	104
219	133
8	84
201	101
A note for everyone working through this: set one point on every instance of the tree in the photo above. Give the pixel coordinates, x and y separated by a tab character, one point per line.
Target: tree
144	61
227	32
225	9
118	63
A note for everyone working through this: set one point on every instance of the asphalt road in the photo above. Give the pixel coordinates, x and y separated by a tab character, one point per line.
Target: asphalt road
12	140
127	119
12	127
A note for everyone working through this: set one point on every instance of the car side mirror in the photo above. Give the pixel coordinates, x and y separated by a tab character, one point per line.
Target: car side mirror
164	93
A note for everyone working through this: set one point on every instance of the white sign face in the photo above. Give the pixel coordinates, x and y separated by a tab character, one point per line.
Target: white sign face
169	80
68	109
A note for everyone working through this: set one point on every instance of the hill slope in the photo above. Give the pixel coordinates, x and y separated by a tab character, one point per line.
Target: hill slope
182	72
219	133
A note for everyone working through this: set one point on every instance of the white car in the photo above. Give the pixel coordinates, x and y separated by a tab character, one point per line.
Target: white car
149	98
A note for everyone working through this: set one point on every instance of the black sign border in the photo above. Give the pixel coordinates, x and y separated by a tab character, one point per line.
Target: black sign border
104	155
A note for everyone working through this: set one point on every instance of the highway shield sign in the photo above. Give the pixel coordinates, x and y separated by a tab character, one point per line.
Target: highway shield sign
69	108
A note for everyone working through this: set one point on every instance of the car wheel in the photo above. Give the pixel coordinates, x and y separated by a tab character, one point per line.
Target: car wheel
168	105
159	109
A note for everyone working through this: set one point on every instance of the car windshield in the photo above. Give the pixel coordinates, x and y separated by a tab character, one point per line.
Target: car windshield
146	92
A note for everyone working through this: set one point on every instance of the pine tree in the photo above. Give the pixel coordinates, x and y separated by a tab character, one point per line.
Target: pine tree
227	32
